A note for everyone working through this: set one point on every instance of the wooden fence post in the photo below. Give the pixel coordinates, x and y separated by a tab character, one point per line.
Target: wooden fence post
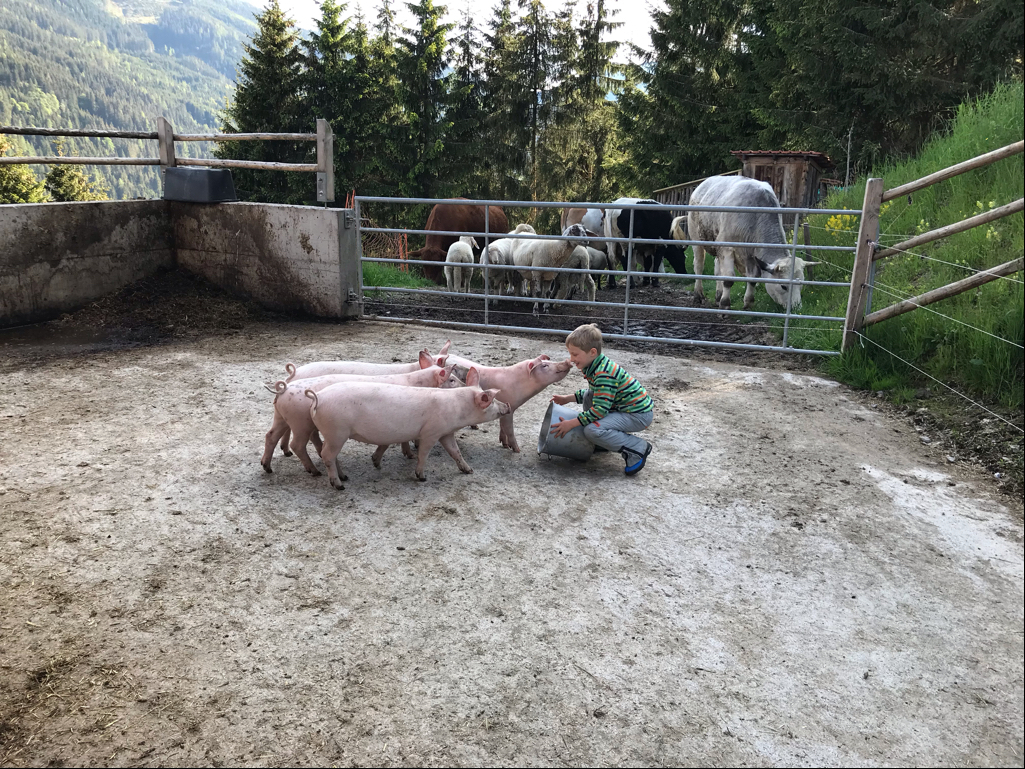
165	136
325	162
868	234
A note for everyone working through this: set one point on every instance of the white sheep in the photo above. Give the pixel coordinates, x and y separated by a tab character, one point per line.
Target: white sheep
457	277
500	252
534	255
571	282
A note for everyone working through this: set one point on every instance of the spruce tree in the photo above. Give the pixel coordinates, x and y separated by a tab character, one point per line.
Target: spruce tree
267	99
465	149
66	183
503	159
531	102
687	107
18	184
425	100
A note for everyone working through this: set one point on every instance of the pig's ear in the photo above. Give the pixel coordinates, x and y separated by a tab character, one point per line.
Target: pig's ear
449	370
441	360
530	366
445	347
542	356
425	359
472	377
483	399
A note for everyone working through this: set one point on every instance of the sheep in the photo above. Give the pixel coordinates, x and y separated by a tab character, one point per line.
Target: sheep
600	261
569	283
535	254
500	252
457	277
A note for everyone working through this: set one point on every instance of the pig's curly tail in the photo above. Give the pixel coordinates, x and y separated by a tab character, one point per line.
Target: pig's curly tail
313	395
290	370
278	388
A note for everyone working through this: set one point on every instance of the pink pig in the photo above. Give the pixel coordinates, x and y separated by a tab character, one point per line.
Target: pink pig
292	408
383	414
324	368
516	385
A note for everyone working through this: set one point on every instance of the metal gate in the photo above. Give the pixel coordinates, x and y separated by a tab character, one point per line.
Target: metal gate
635	322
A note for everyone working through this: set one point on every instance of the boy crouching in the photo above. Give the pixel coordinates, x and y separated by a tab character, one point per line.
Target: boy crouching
615	405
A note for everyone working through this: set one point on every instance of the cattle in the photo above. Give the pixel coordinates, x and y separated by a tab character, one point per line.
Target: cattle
454	218
650	223
773	261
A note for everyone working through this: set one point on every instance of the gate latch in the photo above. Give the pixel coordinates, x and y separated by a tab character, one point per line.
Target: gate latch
349	220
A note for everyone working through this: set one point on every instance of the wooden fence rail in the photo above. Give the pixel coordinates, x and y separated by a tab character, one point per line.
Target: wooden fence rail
945	292
868	250
166	137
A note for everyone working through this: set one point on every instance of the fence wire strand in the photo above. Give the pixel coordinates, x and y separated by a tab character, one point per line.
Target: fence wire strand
892	292
926	373
955	264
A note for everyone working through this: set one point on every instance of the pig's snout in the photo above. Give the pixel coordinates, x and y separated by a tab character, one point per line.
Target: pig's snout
503	408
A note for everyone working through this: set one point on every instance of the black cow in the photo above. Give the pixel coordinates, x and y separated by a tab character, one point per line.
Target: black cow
653	223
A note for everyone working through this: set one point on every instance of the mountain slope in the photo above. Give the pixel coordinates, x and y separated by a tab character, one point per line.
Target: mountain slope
105	64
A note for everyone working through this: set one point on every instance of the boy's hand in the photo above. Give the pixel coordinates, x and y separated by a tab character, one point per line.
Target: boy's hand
564	426
562	400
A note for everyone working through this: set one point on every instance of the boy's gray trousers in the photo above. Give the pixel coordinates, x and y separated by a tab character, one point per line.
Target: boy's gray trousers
612	431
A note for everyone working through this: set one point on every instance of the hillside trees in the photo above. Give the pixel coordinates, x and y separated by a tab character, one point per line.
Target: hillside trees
18	184
65	183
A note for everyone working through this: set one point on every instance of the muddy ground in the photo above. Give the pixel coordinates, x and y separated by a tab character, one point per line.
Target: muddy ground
794	579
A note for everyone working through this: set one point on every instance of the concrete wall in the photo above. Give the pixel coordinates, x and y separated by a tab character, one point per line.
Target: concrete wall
58	257
288	258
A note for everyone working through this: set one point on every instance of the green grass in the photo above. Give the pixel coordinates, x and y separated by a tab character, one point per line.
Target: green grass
956	354
382	274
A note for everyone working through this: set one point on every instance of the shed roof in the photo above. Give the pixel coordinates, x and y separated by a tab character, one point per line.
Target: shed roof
820	158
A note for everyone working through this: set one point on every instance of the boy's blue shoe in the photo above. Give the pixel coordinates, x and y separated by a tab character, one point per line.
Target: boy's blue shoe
634	461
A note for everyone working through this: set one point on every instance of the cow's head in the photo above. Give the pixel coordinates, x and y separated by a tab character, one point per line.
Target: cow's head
780	270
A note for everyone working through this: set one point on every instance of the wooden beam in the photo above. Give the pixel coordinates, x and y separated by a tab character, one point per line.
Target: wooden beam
945	292
166	134
94	132
254	164
955	170
326	158
868	234
61	160
249	137
953	229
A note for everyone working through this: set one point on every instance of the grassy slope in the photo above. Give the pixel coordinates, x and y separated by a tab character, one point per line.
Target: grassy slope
962	357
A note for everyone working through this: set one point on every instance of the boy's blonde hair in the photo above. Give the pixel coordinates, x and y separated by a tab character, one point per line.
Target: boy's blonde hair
586	337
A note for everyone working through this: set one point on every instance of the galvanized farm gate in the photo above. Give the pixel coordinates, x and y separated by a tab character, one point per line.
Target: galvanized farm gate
484	298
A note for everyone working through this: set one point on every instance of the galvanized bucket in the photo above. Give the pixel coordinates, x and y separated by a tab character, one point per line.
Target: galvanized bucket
573	445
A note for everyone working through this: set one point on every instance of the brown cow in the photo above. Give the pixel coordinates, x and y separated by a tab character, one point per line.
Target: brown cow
454	218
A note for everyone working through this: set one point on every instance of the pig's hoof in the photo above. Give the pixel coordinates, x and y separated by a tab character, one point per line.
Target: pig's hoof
343	477
338	485
315	472
286	452
420	478
474	427
468	470
267	467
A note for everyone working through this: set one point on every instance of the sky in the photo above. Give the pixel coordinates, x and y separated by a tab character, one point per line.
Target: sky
634	14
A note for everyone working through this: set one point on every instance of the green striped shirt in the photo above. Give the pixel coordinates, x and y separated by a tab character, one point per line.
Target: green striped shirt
613	389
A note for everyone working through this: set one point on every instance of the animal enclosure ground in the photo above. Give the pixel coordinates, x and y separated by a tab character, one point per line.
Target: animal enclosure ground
794	579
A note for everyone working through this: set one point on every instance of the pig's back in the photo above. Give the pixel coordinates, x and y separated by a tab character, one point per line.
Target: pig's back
380	413
325	368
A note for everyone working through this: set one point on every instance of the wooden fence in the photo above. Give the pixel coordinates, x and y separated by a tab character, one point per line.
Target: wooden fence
167	158
868	251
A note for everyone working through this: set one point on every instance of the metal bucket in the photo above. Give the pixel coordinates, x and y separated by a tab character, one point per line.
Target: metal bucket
573	445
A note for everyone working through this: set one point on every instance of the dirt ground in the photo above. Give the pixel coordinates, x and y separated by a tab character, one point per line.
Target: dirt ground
794	579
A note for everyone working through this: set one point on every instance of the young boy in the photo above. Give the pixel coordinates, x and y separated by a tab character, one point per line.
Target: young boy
615	406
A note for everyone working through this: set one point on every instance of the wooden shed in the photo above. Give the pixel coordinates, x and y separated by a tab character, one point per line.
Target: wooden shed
798	178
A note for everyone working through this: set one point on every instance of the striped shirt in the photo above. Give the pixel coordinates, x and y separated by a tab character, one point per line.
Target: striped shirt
613	389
